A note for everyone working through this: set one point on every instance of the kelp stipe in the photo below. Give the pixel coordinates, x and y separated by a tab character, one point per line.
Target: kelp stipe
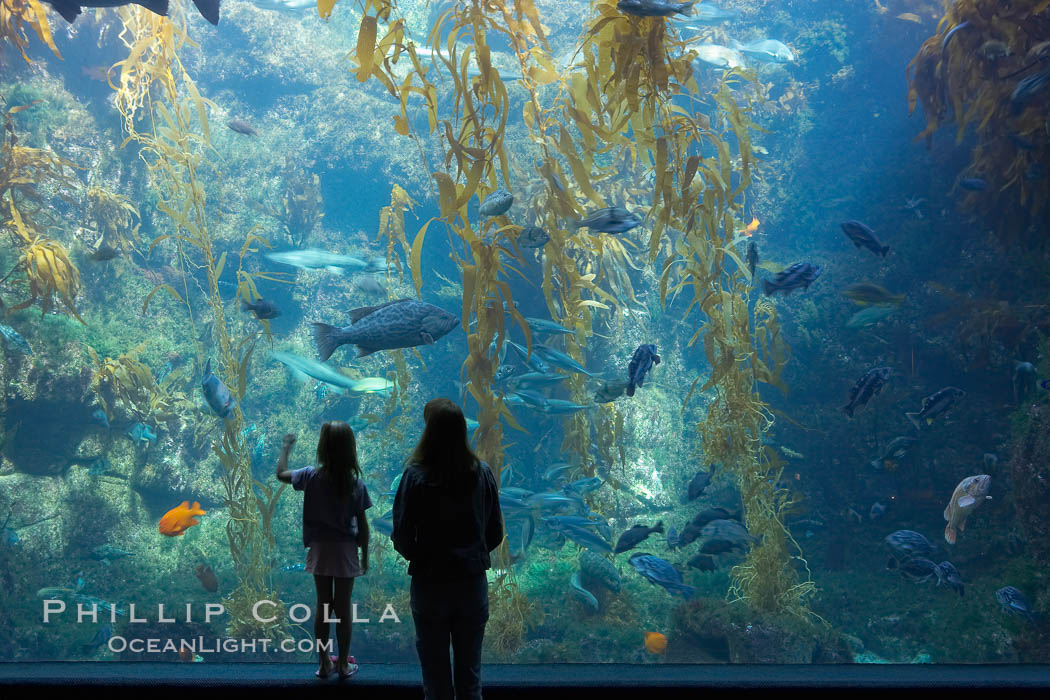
174	153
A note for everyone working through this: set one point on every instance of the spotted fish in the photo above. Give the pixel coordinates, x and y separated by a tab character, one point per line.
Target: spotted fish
403	323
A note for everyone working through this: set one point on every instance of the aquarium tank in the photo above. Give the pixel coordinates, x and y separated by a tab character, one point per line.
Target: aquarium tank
745	301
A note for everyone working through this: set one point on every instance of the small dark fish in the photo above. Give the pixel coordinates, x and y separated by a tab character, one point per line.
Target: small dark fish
866	387
871	294
70	9
689	534
609	220
897	448
1044	384
862	236
728	530
698	483
207	578
1027	89
1013	601
672	538
533	237
707	515
643	360
369	285
262	308
798	276
217	394
10	335
653	8
241	127
103	253
635	536
717	546
936	404
704	562
909	543
948	574
916	570
497	203
751	257
973	184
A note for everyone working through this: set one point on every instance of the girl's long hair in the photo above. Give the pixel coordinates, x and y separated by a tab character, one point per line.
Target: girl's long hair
443	450
337	457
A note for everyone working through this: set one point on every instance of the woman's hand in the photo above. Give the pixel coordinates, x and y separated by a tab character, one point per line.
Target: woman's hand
289	441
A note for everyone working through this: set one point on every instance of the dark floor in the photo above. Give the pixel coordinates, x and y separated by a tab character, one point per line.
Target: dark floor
575	681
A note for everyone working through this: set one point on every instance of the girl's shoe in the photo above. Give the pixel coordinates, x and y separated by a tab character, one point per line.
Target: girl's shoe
351	669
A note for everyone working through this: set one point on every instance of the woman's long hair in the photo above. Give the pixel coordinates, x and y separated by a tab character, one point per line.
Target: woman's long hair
337	457
443	450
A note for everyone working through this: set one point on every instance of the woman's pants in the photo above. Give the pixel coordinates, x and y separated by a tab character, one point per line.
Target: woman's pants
450	612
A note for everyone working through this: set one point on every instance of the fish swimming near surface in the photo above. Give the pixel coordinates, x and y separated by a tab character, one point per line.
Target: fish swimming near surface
70	9
403	323
582	594
706	14
496	203
719	56
653	8
12	338
207	578
176	521
634	536
798	276
934	405
661	573
869	293
765	51
608	220
533	237
655	642
866	387
241	127
870	315
970	493
642	361
262	308
217	394
1014	602
862	236
316	259
895	450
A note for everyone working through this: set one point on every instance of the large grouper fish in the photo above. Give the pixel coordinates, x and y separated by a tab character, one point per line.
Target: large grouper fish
403	323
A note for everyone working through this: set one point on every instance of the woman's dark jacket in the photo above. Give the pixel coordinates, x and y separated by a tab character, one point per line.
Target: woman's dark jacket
446	531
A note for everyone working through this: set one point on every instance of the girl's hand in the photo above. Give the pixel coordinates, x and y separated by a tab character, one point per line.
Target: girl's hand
289	440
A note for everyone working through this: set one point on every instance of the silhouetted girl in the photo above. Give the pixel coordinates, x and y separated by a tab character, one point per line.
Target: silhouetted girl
334	528
446	521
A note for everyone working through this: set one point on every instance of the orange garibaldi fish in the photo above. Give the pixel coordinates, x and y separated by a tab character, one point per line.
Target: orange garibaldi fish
179	519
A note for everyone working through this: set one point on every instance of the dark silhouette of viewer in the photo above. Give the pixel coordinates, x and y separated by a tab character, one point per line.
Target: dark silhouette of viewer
446	521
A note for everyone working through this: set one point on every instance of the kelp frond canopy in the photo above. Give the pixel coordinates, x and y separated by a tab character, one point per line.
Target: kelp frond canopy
15	16
988	67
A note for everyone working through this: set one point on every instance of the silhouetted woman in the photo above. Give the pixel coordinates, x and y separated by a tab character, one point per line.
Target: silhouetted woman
334	528
446	521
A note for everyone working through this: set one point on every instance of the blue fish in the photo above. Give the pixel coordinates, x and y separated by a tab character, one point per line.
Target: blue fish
974	184
643	360
403	323
608	220
142	432
217	394
12	336
100	417
102	636
1013	601
660	572
385	524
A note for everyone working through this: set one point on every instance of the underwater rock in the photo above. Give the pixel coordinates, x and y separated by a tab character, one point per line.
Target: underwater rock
1029	467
